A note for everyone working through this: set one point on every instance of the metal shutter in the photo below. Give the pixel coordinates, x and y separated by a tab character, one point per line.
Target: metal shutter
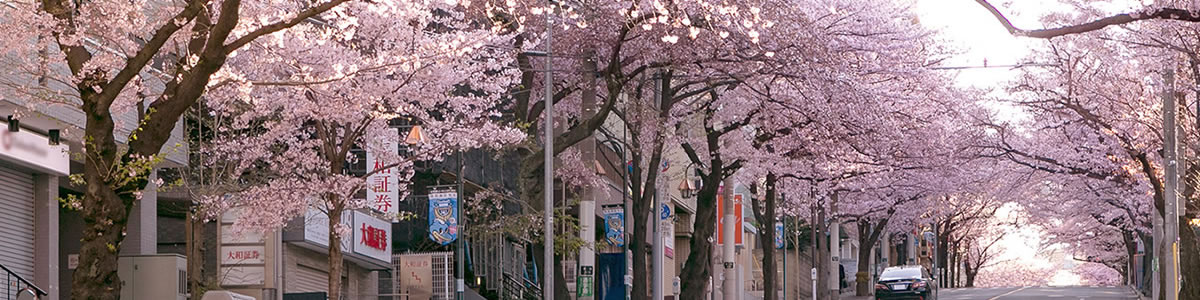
16	221
306	280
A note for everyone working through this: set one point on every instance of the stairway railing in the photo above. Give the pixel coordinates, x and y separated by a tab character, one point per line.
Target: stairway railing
14	288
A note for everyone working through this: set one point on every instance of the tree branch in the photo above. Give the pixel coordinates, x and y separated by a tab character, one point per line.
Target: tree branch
281	25
1158	13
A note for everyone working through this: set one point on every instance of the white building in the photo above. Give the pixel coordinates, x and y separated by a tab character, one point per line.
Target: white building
39	240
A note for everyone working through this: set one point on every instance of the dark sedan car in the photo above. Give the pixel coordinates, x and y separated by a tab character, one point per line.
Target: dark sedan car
905	282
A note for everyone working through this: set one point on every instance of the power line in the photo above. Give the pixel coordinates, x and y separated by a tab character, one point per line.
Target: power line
1012	66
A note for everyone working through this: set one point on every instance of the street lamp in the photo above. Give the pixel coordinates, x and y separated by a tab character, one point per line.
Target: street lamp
687	188
415	136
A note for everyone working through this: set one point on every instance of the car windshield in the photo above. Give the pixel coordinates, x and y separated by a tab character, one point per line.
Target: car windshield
893	274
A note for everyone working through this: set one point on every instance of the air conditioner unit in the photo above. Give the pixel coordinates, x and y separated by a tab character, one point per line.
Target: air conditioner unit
153	277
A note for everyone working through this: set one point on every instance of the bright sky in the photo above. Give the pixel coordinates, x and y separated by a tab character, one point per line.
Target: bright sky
979	38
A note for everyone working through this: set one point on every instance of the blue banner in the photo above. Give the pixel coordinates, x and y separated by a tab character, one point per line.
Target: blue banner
614	228
443	216
778	235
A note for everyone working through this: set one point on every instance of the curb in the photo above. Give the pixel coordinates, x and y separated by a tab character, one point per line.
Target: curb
1135	292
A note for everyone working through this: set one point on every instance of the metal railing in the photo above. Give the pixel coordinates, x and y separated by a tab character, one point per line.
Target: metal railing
14	288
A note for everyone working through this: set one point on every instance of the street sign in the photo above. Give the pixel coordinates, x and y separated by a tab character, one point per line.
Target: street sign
585	287
585	271
729	265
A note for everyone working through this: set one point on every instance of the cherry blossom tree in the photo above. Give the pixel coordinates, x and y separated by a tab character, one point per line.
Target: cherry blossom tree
105	57
1015	273
1110	90
1098	274
347	81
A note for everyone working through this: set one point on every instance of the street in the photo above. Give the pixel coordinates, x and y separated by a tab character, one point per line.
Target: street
1035	293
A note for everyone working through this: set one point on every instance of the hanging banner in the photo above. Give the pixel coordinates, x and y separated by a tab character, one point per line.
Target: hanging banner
738	219
383	187
778	235
443	216
614	227
667	224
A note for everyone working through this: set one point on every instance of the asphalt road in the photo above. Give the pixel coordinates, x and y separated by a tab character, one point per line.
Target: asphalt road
1039	293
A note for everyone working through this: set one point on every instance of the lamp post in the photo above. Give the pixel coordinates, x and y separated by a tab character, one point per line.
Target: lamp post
548	169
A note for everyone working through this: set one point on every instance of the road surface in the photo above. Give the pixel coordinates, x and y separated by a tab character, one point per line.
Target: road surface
1039	293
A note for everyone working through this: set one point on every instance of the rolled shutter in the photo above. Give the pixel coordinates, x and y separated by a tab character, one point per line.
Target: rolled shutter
16	221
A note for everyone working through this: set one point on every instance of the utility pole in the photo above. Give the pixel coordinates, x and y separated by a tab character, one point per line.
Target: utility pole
835	239
460	245
728	287
785	254
1170	242
585	283
656	276
814	235
548	167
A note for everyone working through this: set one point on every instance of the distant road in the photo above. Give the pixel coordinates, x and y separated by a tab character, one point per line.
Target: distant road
1039	293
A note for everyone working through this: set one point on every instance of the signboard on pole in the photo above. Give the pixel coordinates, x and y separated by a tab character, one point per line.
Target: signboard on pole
614	227
443	216
667	225
585	287
383	187
737	215
416	276
779	235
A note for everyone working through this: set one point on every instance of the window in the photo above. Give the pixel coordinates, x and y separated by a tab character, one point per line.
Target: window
183	286
905	273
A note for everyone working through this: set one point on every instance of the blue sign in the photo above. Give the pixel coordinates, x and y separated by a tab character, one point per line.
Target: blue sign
665	212
614	228
443	217
778	235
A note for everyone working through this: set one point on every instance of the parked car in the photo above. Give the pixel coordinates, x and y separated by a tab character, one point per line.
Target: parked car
905	282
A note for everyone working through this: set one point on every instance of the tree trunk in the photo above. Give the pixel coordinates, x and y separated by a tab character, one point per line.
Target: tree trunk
335	253
195	254
638	246
958	269
1147	263
1130	256
560	281
942	253
867	237
766	238
823	255
696	269
105	213
969	272
1189	260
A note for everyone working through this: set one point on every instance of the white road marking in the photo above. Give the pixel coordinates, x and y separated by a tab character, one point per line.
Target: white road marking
1008	293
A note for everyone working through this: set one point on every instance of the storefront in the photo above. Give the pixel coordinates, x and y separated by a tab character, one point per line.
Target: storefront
305	267
30	166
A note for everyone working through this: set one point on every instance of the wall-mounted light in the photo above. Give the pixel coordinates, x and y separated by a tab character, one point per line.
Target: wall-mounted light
14	125
55	137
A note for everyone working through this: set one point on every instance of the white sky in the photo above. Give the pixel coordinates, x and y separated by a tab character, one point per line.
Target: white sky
978	37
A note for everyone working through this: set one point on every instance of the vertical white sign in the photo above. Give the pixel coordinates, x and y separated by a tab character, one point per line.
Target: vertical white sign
383	187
